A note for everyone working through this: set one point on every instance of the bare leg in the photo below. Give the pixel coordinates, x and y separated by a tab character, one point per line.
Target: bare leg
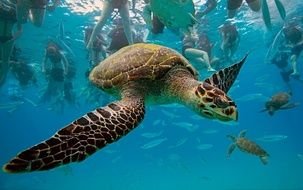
199	56
106	12
124	13
36	16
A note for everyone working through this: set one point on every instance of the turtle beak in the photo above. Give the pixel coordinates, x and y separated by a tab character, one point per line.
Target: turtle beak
234	116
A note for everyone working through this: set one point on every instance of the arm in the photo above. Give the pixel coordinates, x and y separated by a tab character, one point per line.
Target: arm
293	61
65	63
45	58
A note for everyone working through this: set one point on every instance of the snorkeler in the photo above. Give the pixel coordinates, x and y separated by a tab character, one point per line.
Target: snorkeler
23	72
34	10
198	50
293	34
97	53
7	38
108	8
230	40
118	37
55	73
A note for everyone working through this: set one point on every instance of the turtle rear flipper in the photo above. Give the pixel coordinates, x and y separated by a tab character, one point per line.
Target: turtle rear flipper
289	106
81	138
264	159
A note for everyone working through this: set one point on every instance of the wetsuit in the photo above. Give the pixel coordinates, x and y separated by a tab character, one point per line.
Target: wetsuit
118	39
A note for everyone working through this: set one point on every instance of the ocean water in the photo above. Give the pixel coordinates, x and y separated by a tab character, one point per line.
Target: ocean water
173	148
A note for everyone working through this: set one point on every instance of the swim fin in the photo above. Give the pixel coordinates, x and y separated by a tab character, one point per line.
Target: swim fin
281	9
266	14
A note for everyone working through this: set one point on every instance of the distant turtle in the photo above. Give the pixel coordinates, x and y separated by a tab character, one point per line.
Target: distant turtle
137	74
248	146
174	13
277	102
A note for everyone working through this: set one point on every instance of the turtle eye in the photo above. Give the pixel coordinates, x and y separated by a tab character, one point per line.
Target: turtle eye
220	103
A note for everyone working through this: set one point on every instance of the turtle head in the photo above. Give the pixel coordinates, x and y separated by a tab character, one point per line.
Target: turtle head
213	103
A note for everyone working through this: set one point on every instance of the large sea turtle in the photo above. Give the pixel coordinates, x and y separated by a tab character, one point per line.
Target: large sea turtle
136	74
277	102
248	146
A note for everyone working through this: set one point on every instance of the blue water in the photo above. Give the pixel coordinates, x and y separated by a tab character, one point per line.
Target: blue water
177	163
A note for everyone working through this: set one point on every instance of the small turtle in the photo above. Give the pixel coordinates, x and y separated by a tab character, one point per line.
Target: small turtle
277	102
248	146
136	74
174	13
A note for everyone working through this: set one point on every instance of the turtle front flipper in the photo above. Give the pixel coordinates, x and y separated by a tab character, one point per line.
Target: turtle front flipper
81	138
225	78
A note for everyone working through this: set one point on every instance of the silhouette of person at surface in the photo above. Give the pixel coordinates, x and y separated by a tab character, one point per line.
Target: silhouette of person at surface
210	5
55	73
108	8
34	10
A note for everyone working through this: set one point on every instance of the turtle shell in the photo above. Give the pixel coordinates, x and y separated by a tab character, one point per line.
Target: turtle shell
280	99
137	62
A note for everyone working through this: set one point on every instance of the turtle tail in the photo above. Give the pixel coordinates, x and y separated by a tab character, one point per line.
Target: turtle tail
81	138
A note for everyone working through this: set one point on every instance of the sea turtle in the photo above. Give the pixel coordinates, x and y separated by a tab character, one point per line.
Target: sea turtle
174	14
248	146
137	74
277	102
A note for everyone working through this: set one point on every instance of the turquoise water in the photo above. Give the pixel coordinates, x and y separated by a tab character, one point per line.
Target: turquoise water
186	152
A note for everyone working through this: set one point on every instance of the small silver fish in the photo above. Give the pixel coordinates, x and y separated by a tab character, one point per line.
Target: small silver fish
153	143
204	146
272	138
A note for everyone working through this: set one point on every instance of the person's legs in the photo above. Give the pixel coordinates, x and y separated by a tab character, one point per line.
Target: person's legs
36	16
106	12
124	13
